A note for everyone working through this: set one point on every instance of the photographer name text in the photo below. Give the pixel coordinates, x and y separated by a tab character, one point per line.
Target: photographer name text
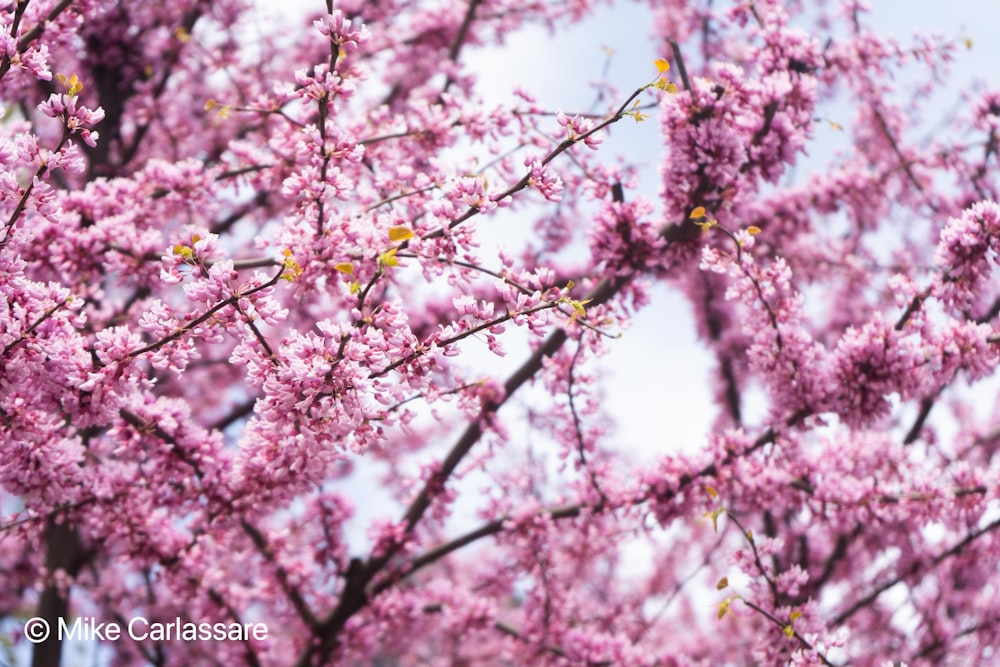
84	628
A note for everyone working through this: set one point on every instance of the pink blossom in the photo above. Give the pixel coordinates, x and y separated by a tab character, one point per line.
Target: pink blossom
313	336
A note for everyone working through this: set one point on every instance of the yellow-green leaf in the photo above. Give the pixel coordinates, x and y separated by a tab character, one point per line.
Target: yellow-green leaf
72	85
400	233
578	308
292	268
344	267
753	230
794	615
723	608
388	258
714	515
789	631
661	65
637	116
698	212
723	584
710	490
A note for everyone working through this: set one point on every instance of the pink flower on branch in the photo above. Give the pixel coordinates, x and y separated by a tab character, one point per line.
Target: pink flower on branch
316	338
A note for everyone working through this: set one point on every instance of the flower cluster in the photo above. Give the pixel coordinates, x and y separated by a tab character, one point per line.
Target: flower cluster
340	31
34	59
542	179
312	336
75	118
964	252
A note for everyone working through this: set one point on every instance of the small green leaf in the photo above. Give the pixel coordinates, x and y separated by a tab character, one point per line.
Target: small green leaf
714	515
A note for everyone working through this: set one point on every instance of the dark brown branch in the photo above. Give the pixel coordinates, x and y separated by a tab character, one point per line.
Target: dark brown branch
463	30
906	164
578	428
679	60
869	599
778	622
496	526
248	651
355	595
242	410
238	214
169	59
64	552
292	593
231	301
486	530
926	404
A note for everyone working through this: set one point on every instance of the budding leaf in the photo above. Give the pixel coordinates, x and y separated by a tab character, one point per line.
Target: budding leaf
388	258
715	518
578	308
292	268
72	84
400	233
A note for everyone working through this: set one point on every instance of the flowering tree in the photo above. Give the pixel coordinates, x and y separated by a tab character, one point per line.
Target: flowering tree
240	268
